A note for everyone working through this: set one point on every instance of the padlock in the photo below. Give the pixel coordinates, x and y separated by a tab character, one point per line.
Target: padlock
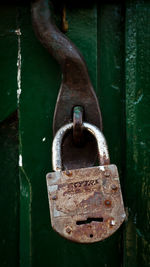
86	204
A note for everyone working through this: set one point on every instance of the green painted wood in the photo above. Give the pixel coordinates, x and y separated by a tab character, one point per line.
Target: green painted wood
39	83
9	174
41	76
9	193
137	183
8	58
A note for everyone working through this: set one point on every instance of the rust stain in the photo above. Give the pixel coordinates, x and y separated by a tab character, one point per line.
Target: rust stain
86	209
114	187
68	173
108	203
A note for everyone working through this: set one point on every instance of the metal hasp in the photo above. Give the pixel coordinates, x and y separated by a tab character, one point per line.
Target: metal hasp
75	90
86	204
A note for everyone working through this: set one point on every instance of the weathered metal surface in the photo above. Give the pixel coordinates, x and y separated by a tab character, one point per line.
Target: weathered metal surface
86	205
76	88
103	154
77	125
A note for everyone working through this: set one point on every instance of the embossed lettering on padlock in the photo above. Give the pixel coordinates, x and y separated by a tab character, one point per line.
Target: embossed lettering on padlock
86	204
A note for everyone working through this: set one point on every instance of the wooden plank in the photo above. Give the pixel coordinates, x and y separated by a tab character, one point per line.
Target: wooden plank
137	238
9	175
8	59
111	96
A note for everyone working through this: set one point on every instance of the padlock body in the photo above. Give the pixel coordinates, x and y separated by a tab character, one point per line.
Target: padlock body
86	204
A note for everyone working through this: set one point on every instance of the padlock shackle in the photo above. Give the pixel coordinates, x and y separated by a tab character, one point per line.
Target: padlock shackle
103	153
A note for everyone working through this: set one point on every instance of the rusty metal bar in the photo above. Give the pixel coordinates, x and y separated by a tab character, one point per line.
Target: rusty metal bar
75	74
76	88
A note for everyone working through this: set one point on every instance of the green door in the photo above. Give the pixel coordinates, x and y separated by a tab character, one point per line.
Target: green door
114	38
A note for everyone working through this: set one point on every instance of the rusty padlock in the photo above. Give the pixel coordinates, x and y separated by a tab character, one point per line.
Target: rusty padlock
86	204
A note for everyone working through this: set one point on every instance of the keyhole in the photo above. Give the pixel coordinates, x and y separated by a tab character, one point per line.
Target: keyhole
89	220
